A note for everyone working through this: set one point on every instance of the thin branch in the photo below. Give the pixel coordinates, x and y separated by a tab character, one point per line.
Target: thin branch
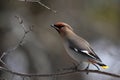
46	7
60	73
39	2
20	21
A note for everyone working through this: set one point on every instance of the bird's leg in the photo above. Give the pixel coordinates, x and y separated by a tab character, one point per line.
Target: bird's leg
96	66
87	68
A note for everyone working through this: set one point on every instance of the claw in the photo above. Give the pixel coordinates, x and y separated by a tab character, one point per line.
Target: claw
87	68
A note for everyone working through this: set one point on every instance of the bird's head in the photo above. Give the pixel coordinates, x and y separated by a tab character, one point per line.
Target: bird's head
62	27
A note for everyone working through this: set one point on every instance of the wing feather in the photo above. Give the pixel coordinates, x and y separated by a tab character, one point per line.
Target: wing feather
83	47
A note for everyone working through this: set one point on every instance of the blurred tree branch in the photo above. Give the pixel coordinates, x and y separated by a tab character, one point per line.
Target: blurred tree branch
39	2
59	73
47	74
21	22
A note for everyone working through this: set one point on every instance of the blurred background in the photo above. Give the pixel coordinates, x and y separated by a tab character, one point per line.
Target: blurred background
42	50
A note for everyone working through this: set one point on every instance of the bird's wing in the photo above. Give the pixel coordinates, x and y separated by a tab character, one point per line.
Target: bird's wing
83	48
94	54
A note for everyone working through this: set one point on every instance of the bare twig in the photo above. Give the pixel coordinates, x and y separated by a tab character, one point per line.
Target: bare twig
20	42
2	62
59	73
46	7
38	1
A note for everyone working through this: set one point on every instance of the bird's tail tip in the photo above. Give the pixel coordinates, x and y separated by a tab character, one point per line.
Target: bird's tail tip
103	66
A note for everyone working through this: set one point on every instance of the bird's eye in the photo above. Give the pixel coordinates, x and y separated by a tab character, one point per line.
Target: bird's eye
60	26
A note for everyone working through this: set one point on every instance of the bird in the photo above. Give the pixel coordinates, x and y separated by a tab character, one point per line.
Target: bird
77	47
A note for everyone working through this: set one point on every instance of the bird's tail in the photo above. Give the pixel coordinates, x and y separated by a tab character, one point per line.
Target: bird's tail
103	65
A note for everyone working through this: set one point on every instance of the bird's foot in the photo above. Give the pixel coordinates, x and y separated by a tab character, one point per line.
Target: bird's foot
87	68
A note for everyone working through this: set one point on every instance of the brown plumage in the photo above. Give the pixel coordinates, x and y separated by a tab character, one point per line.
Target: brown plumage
77	47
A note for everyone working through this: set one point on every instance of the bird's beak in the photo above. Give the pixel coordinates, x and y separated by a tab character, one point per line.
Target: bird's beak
52	25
